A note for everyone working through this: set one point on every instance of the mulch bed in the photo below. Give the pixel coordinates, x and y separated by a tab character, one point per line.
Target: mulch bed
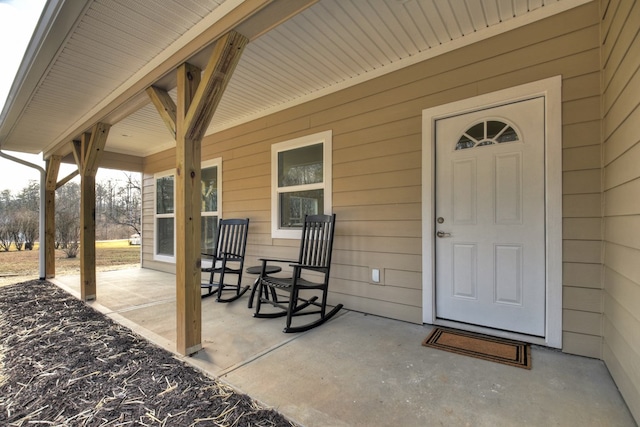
64	364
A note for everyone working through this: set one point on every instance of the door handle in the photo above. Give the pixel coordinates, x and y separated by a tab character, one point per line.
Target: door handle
442	234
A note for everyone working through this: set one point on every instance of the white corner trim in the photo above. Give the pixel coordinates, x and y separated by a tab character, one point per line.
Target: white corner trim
551	90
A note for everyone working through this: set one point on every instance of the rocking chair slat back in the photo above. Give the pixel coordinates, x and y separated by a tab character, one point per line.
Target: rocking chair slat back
232	237
317	241
227	258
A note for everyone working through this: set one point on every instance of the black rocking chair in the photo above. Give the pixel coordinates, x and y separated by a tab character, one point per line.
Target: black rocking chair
227	258
315	256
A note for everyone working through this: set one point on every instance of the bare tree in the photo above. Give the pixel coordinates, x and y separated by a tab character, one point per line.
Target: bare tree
123	203
15	230
118	211
68	218
29	222
5	211
5	234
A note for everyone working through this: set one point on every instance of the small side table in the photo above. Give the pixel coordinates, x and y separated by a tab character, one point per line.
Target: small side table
257	269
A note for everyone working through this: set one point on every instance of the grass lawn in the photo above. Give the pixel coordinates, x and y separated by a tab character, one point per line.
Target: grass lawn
18	266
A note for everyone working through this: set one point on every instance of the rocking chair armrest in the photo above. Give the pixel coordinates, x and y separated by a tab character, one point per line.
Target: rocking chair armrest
309	267
268	260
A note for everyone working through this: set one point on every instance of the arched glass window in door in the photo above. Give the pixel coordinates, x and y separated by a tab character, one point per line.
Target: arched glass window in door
487	132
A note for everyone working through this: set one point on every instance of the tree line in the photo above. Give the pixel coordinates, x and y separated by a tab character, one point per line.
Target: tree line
118	213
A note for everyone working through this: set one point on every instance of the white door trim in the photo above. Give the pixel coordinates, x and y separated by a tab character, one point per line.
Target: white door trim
551	89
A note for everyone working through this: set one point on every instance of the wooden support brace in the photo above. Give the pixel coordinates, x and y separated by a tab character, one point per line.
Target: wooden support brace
165	106
226	55
95	148
67	178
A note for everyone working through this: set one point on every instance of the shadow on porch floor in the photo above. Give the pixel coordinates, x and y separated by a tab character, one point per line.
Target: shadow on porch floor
363	370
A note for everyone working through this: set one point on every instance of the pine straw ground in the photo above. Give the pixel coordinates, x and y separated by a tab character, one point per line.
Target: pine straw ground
64	364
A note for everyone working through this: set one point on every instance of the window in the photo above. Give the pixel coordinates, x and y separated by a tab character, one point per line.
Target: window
485	133
211	183
301	182
164	249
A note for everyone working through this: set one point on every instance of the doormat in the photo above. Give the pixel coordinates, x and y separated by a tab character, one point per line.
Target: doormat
508	352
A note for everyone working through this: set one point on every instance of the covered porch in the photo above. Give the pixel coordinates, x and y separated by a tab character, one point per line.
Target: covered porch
361	370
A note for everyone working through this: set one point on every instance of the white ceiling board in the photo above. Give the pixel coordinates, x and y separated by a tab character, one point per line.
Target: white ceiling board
329	45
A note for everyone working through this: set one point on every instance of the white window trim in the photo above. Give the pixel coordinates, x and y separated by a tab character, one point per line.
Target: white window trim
321	137
156	255
206	164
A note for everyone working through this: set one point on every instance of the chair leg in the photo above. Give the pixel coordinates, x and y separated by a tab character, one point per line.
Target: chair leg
209	289
240	291
253	293
221	283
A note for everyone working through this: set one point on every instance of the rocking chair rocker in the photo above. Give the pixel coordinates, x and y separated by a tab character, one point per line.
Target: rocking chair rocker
315	256
227	258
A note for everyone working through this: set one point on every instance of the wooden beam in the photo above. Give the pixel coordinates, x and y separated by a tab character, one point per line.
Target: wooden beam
226	55
52	170
165	106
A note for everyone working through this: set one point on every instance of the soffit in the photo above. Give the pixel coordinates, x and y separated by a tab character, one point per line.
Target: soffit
329	46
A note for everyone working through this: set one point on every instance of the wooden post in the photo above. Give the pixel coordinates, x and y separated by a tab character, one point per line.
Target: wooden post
187	209
87	237
87	153
197	101
49	248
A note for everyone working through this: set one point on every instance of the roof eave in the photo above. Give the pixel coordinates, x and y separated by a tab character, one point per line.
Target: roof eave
58	18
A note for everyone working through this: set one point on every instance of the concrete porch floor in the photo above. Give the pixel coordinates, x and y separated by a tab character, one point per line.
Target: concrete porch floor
363	370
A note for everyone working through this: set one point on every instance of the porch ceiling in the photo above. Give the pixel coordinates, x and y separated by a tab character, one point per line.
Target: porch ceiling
92	62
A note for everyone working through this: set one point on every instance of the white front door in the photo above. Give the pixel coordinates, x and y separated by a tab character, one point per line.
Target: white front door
490	217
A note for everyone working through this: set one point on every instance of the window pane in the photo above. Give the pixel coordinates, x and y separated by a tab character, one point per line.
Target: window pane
210	189
493	128
508	135
464	142
208	227
295	205
164	238
476	131
164	196
300	166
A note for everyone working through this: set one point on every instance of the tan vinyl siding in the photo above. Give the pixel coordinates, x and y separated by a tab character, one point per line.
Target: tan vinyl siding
376	129
621	184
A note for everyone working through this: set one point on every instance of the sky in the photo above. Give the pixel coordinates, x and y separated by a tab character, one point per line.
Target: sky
18	19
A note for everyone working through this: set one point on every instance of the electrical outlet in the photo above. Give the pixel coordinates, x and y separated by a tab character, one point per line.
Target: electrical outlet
375	275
